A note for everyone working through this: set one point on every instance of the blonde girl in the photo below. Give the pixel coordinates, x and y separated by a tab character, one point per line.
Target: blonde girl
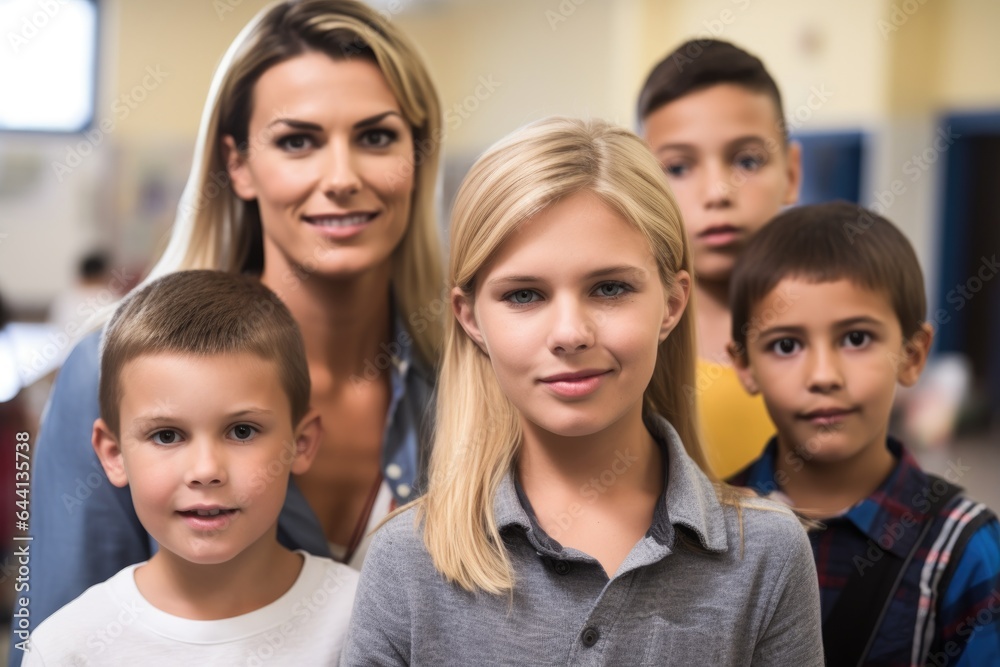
315	170
570	517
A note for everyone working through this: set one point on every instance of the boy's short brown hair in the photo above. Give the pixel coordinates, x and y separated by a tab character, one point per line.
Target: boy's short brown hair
700	63
203	313
824	243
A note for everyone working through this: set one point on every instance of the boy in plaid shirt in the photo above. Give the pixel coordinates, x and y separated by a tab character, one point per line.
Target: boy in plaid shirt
829	315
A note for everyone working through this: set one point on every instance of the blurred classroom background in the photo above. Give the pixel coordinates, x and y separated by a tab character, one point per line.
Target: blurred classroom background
896	103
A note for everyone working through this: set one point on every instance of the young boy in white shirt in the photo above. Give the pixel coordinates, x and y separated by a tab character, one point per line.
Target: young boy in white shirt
204	393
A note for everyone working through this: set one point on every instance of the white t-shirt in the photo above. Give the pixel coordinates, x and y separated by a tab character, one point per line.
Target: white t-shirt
112	624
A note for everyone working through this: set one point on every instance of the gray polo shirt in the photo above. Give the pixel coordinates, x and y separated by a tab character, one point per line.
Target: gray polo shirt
699	599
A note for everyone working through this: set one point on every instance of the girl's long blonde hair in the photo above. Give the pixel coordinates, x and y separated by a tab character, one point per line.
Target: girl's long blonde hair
477	431
215	229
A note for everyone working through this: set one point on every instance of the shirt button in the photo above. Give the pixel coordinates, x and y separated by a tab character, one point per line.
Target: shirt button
403	490
561	567
393	471
590	637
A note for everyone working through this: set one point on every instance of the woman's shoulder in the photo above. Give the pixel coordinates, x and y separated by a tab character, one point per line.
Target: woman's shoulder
85	355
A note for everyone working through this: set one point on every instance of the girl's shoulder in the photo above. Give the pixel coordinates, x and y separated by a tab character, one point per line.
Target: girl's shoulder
400	540
767	534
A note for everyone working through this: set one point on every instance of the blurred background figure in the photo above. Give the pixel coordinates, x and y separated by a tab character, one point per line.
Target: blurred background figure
80	303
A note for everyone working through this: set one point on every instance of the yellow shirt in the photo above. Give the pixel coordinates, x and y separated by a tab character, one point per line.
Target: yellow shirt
734	425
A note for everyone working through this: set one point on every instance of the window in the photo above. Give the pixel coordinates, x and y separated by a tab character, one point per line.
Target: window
48	65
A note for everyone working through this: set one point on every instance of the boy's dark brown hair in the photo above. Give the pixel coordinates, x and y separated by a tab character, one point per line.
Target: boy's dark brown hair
203	314
700	63
824	243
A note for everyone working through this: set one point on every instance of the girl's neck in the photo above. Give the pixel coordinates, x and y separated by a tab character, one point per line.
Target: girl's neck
596	494
619	461
713	320
345	322
252	580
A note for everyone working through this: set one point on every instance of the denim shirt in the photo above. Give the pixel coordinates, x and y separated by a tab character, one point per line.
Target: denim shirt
85	529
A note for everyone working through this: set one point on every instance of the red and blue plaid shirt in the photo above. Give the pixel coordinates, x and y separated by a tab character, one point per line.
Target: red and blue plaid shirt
959	626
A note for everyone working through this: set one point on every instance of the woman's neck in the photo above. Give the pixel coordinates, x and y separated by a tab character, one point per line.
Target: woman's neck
346	324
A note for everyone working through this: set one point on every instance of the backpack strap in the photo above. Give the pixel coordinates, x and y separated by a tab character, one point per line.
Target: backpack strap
968	531
957	551
853	623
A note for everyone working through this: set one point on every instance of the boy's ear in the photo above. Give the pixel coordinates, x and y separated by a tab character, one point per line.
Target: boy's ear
464	308
915	353
793	160
677	301
307	438
239	171
109	452
741	362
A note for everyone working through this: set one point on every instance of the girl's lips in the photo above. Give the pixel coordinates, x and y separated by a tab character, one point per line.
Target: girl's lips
575	385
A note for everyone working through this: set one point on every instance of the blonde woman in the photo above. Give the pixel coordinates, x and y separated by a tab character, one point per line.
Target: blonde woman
315	170
570	517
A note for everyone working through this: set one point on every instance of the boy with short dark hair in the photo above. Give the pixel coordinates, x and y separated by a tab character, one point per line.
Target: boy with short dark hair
712	116
204	396
828	317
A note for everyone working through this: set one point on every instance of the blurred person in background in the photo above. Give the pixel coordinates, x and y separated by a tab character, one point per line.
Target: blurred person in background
712	115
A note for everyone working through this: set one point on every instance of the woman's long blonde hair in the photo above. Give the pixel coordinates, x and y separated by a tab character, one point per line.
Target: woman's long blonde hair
477	432
215	229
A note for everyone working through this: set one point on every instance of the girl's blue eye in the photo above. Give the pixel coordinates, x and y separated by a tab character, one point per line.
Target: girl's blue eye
522	296
857	339
166	437
784	347
612	290
243	432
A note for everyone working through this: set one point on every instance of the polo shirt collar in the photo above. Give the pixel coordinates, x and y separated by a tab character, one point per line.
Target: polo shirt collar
689	499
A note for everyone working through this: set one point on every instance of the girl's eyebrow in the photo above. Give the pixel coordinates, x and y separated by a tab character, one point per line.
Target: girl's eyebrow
619	270
624	270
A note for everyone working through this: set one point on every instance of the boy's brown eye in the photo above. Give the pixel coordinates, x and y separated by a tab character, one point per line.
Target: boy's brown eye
857	338
243	431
